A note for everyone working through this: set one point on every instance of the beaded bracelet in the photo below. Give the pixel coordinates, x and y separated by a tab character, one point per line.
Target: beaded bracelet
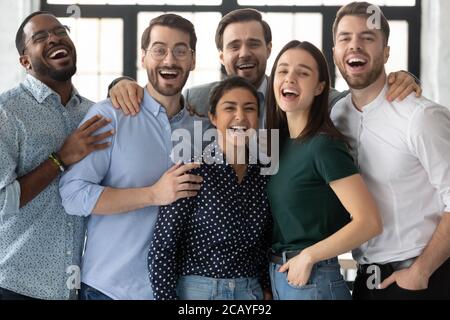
57	161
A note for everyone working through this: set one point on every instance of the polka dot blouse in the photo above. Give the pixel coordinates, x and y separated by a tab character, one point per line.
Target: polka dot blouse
224	232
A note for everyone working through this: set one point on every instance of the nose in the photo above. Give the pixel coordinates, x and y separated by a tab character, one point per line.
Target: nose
289	78
53	38
169	58
355	44
239	115
244	51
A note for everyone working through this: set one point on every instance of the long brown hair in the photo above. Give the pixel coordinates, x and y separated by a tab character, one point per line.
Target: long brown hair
318	118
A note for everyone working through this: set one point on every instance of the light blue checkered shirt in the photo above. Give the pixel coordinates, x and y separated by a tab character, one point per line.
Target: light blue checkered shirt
40	245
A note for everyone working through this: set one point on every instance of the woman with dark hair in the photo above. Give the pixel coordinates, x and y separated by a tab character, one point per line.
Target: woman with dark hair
214	246
320	204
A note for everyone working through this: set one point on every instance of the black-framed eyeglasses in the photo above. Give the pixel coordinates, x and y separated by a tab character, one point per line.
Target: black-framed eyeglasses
42	36
180	52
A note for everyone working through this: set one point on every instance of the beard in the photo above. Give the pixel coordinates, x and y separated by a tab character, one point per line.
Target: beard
364	80
63	74
168	91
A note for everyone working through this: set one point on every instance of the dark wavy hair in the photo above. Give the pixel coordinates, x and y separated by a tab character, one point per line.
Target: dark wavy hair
319	118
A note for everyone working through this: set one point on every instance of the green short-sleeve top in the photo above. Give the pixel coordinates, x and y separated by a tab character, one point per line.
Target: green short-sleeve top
304	207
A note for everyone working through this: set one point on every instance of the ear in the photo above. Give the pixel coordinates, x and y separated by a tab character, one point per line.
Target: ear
319	89
269	50
194	60
25	62
221	57
143	53
212	118
387	53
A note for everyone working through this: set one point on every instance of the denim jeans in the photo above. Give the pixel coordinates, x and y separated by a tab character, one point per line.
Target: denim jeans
89	293
325	283
204	288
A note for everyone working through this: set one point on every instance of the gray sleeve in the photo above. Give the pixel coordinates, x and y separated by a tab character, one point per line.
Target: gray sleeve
335	96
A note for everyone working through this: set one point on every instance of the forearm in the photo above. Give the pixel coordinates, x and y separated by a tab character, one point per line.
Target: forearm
115	201
344	240
438	249
33	183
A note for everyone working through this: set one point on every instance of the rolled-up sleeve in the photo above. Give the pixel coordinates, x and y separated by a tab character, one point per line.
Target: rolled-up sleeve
80	187
9	157
430	140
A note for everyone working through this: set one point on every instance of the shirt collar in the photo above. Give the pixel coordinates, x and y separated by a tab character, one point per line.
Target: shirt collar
380	99
155	107
40	91
263	87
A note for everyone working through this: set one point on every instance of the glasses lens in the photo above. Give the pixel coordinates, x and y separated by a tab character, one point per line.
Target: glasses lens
40	36
181	52
158	51
61	32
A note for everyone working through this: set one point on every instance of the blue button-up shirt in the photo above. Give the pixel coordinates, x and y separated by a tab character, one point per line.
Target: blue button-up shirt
115	259
40	245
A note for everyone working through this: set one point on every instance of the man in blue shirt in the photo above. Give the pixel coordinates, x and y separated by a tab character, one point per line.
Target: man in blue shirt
40	245
121	189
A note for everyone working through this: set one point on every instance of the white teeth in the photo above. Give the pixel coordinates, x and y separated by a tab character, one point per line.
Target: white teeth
239	128
356	60
167	72
57	52
288	91
248	65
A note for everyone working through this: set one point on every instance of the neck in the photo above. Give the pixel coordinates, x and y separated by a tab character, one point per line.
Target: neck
62	88
170	103
363	97
235	160
297	122
259	83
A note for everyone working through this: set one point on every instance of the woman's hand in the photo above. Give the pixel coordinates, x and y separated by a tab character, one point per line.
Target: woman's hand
299	269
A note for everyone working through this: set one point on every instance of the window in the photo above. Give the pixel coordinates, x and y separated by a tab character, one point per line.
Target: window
114	28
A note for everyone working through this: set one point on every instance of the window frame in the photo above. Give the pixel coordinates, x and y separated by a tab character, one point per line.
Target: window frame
129	15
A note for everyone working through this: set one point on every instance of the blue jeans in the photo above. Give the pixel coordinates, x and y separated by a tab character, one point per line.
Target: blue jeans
204	288
325	283
89	293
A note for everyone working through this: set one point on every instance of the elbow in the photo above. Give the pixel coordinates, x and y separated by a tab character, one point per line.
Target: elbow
374	225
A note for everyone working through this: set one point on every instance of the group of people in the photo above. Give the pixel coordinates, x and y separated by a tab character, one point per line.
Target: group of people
87	186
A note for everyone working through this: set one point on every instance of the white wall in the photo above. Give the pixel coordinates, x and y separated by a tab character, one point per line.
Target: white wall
14	11
435	66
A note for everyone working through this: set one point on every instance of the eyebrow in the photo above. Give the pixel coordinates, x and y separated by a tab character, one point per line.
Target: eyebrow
246	40
346	33
234	103
298	65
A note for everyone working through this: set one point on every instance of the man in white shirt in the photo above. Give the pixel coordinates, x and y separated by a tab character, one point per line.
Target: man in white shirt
403	152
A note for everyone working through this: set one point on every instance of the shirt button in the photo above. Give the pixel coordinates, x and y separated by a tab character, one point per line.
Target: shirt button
69	253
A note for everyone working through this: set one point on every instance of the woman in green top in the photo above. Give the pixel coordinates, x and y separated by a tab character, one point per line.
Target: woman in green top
320	204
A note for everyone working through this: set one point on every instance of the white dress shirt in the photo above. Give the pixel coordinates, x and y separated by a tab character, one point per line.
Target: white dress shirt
402	150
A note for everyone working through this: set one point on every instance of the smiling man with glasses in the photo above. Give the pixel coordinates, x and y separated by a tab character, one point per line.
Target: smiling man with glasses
121	189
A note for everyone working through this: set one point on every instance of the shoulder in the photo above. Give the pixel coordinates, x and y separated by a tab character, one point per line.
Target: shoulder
9	100
104	108
322	142
428	116
200	91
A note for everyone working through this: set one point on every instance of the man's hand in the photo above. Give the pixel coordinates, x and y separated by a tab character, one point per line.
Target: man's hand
127	95
176	184
408	279
402	84
82	141
299	269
